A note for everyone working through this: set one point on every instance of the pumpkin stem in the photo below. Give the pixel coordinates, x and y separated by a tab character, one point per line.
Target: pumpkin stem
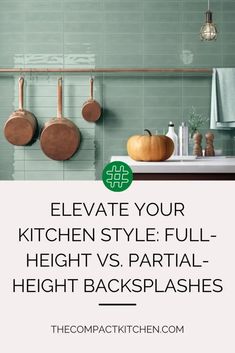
149	132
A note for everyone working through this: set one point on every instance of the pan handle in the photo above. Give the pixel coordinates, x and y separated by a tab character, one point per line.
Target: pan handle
59	97
21	93
91	88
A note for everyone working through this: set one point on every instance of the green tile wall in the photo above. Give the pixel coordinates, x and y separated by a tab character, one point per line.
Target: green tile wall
108	33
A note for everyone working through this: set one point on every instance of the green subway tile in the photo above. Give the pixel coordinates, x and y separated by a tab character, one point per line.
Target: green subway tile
84	155
14	27
132	28
43	37
162	91
196	91
123	6
88	144
44	175
117	102
47	165
5	101
118	121
193	16
228	27
161	60
117	49
228	60
82	16
196	81
162	6
124	60
162	17
125	81
79	165
19	165
83	60
43	16
85	48
11	6
228	6
122	92
156	48
86	27
13	39
199	6
195	101
125	133
114	152
228	48
122	17
205	111
79	175
44	48
43	27
162	101
163	81
16	176
119	142
116	38
10	49
87	133
82	5
150	112
9	17
19	155
162	38
38	6
169	27
206	60
123	112
82	38
34	155
201	48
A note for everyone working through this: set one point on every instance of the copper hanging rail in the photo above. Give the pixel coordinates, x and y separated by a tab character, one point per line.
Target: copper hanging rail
105	70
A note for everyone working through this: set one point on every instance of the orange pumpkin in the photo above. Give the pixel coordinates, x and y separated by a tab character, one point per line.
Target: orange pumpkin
150	148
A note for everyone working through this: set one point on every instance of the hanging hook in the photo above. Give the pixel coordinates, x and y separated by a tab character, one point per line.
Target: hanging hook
21	73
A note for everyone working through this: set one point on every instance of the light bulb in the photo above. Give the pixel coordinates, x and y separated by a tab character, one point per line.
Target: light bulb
208	30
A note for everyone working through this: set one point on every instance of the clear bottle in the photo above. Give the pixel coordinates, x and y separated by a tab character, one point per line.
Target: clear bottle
171	133
183	140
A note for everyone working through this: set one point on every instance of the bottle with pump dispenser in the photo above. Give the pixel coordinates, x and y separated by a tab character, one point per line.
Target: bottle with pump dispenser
171	133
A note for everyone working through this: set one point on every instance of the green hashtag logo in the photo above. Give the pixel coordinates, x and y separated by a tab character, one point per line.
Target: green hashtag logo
117	176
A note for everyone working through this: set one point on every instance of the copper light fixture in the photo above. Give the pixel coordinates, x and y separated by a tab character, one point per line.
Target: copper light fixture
208	31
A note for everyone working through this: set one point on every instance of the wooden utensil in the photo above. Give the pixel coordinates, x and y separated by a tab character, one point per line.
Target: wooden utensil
91	110
60	137
21	126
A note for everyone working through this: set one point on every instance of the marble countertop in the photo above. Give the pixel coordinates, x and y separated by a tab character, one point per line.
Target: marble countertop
218	164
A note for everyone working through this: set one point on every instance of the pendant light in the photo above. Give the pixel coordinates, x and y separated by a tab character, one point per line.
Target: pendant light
208	31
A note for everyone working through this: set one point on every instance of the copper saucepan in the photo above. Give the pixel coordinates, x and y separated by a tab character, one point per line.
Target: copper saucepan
21	126
60	137
91	110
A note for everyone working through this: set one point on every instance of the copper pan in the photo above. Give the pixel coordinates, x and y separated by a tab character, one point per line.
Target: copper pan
60	137
21	126
91	110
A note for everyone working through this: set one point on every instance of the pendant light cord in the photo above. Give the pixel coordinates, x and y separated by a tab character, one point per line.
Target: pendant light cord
208	4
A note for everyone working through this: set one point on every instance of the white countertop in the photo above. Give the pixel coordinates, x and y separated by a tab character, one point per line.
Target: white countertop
201	165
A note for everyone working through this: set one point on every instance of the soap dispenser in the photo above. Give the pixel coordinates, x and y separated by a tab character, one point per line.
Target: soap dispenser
171	133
